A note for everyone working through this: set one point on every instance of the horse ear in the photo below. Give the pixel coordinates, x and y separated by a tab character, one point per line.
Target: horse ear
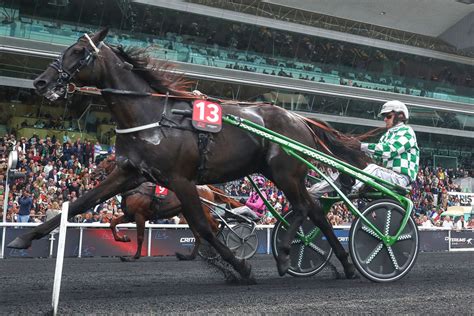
100	35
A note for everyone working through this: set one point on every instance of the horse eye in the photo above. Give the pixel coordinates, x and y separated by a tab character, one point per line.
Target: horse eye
77	51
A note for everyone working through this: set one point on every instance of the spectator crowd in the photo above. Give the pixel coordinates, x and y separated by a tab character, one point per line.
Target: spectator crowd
59	170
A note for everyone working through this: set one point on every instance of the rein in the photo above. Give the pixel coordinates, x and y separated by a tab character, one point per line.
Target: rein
317	124
221	194
71	88
96	91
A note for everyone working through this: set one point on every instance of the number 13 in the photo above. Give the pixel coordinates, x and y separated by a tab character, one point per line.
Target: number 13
213	113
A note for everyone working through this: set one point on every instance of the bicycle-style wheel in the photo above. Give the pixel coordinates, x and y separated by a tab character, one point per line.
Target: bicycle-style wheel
206	251
374	260
306	259
242	240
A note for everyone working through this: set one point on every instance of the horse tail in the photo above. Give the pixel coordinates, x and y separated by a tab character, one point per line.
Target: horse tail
221	197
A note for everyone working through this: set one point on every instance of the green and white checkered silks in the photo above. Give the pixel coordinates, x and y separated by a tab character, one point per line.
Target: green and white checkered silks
398	150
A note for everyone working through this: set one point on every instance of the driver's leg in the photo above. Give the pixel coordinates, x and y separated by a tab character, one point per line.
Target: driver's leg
385	174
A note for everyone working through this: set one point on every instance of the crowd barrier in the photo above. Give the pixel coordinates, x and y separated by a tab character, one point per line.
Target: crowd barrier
96	240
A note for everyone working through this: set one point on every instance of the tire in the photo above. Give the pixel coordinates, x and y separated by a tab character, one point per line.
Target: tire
305	259
371	256
243	242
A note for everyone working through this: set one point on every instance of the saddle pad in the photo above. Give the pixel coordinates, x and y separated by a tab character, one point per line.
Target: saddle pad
207	116
161	192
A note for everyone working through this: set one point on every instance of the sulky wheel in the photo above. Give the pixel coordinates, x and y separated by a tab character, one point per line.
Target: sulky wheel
374	260
242	240
307	258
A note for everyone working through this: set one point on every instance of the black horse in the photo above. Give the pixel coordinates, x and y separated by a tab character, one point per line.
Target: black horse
167	150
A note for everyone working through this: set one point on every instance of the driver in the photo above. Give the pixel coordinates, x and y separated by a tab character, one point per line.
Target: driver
397	151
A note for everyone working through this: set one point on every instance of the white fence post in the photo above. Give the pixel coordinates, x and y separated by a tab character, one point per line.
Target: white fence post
60	257
149	242
269	242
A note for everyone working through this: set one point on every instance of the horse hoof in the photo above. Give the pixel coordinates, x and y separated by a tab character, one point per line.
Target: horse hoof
283	264
183	257
19	243
127	259
246	275
249	281
349	271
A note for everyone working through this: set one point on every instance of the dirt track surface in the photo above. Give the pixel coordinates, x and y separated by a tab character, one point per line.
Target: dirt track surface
439	283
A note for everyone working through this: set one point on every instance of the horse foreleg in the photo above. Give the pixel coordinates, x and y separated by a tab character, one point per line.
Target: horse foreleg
120	180
194	214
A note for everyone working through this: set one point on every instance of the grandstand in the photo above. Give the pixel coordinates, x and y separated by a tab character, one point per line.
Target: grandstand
336	61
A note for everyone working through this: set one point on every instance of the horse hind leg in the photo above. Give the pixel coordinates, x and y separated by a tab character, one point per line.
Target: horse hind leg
283	259
301	202
194	214
319	219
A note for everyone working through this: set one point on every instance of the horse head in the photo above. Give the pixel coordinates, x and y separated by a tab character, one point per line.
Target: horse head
76	64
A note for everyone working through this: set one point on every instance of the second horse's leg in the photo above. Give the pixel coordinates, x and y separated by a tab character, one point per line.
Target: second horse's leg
140	221
194	214
113	226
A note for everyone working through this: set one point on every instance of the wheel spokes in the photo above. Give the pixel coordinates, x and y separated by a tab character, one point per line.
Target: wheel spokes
387	222
405	237
392	257
374	253
369	231
317	249
300	256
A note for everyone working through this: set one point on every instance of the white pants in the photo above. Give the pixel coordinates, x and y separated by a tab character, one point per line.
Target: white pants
318	189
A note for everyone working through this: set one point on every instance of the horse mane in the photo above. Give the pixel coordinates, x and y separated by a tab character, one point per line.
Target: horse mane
159	74
222	197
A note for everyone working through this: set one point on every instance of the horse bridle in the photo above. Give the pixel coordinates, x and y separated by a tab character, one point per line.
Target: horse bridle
65	76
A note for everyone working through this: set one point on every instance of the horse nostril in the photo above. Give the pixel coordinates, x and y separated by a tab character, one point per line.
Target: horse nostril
39	83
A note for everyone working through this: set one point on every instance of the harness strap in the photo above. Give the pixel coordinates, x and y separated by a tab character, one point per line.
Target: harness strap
137	129
203	142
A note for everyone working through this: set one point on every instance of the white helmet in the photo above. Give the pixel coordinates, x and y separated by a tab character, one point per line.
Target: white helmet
394	106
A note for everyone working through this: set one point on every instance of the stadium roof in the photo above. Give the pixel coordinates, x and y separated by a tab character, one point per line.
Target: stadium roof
425	17
423	27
